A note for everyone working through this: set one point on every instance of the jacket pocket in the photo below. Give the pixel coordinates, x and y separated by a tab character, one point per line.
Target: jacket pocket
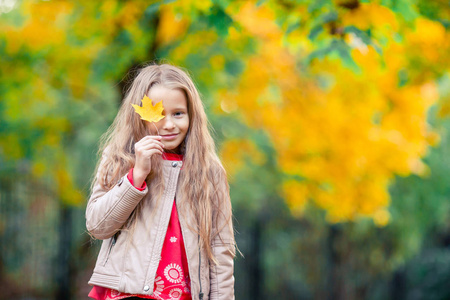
111	246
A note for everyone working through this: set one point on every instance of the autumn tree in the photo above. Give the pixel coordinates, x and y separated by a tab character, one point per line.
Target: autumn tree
334	97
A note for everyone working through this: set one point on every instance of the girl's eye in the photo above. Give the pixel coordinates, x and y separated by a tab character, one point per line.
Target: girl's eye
178	114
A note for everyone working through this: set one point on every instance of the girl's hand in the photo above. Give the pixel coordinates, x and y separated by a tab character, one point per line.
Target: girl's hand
144	150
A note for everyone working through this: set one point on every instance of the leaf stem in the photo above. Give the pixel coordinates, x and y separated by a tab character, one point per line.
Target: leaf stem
155	128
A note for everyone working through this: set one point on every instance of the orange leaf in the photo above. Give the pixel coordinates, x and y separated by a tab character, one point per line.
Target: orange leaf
148	112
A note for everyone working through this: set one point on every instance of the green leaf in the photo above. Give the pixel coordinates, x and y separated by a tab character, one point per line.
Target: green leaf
220	20
315	32
364	36
292	27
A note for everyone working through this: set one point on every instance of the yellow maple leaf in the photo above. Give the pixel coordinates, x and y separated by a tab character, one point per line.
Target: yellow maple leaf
148	112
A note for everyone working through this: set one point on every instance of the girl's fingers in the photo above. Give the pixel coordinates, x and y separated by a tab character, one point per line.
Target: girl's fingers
145	158
145	155
149	150
151	137
140	150
145	149
149	143
148	140
148	146
155	151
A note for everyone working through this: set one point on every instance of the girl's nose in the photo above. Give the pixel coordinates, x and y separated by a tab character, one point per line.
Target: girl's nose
168	124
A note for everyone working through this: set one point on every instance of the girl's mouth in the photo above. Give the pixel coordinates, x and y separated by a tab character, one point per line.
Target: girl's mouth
169	137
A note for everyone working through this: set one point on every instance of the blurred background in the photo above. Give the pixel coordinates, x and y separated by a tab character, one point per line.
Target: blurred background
331	118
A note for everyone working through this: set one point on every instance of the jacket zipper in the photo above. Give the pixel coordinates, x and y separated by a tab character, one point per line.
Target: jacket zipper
113	242
200	295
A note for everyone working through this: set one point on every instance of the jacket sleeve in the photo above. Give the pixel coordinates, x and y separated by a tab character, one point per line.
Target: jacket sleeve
223	247
107	211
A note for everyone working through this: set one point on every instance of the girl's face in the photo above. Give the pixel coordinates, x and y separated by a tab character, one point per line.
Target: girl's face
174	127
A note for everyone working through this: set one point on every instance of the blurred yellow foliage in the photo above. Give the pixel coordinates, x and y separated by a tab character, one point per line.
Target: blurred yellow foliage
171	25
10	146
237	152
69	40
65	187
381	217
349	139
370	16
296	195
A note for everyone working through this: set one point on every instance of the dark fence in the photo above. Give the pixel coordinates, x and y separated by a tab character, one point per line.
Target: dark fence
43	246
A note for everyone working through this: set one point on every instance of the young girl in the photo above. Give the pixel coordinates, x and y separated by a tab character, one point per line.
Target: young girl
160	200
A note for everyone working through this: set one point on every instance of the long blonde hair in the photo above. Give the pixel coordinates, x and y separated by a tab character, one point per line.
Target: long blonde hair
203	176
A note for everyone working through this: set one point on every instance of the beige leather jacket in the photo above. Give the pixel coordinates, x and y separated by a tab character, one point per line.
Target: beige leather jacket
129	258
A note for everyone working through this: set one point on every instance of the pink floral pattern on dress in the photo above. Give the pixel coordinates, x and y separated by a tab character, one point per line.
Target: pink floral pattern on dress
173	273
175	294
159	286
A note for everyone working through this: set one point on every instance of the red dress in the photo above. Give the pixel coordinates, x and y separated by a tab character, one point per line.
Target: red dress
172	276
